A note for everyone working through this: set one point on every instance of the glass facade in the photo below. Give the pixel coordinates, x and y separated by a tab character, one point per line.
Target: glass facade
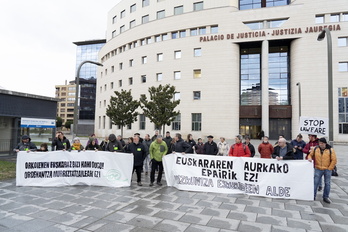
254	4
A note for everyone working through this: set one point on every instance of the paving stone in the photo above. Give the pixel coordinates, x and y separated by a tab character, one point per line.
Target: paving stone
84	222
142	229
248	202
190	209
234	207
209	204
167	205
286	213
340	220
304	224
166	214
14	220
170	225
276	205
298	207
47	214
115	227
143	210
186	201
5	214
97	213
216	212
271	220
260	210
144	221
223	223
120	216
331	212
242	216
33	225
326	227
286	229
198	228
203	196
60	228
254	227
68	218
195	218
57	204
11	206
316	217
28	209
164	198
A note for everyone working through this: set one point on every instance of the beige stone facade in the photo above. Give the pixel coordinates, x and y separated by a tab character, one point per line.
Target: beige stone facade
65	106
199	47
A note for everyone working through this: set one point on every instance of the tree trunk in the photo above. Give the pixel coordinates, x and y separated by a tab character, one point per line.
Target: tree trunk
164	130
122	131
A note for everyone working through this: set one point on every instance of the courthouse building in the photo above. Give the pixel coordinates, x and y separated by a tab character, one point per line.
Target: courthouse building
238	66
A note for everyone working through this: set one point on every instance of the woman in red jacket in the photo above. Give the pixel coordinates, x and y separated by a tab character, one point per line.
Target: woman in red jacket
239	149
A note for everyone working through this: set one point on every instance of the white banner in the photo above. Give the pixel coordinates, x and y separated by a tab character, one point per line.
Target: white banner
59	168
314	126
222	174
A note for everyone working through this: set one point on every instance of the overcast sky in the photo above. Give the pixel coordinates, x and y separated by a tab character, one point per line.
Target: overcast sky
36	49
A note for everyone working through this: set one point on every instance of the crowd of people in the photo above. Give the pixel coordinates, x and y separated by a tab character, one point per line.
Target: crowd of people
148	151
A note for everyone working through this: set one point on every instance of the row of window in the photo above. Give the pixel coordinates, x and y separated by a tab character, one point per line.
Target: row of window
254	4
265	24
160	14
196	122
343	110
334	18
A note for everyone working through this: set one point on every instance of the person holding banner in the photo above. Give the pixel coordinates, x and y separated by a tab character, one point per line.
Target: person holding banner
325	160
139	154
25	145
265	149
158	149
210	147
239	149
114	145
283	151
60	142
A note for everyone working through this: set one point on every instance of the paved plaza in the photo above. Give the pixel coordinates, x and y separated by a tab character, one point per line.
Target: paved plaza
86	208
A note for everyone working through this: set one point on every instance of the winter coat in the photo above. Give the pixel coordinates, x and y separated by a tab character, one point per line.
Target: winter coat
147	144
252	149
59	144
94	147
181	146
223	148
168	141
29	146
210	148
323	159
158	150
239	150
265	150
289	152
308	146
114	144
199	148
191	143
139	153
298	154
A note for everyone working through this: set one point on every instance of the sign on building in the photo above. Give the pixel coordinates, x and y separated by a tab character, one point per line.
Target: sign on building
38	123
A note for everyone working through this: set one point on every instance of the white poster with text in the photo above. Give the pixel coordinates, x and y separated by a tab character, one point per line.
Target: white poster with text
314	126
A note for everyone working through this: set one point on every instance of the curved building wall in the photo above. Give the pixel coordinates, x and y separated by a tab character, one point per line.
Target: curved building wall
224	34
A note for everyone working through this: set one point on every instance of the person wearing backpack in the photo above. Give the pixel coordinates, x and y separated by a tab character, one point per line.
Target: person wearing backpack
239	149
325	161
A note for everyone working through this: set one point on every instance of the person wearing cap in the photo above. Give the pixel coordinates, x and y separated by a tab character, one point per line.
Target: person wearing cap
210	147
168	139
313	142
25	145
298	145
77	146
239	149
325	160
140	138
60	142
283	151
158	149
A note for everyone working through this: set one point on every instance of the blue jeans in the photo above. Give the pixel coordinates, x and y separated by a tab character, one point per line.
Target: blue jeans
327	180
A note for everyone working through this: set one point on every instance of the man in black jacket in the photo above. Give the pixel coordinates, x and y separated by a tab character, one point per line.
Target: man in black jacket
180	145
210	147
60	142
168	140
25	145
114	145
139	154
284	150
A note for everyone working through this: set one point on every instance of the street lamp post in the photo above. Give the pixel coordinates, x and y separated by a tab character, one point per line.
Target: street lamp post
77	83
321	36
299	99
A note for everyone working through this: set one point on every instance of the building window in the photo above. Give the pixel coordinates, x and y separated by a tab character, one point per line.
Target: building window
177	75
177	54
343	41
196	122
159	76
254	4
123	14
178	10
196	95
334	18
197	52
176	124
197	6
197	73
130	81
104	122
120	65
158	38
319	19
111	85
133	8
193	31
129	126
148	40
143	78
183	34
344	17
62	104
159	57
214	29
120	83
132	24
104	103
143	42
110	123
99	122
174	35
343	110
122	28
161	14
145	19
164	37
255	25
145	3
202	30
144	59
142	122
114	19
343	66
112	68
131	63
113	33
177	96
105	87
